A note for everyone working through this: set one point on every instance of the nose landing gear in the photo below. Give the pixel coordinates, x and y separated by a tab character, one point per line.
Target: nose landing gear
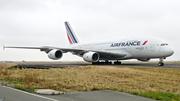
161	62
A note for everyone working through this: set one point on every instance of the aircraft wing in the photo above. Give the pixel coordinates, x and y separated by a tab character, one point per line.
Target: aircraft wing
80	52
47	48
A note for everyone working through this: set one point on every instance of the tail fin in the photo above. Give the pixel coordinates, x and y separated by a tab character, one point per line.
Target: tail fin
70	34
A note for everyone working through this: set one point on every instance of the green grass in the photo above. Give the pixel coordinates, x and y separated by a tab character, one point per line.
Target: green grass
161	96
155	95
15	81
31	89
20	87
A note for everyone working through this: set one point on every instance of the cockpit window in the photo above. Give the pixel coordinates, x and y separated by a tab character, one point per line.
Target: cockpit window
164	44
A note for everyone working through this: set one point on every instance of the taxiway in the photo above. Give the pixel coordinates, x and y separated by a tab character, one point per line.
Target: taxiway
70	65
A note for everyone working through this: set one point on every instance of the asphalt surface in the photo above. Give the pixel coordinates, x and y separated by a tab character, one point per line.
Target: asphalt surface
12	94
69	65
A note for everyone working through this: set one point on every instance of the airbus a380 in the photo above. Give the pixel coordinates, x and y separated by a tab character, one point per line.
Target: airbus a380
142	48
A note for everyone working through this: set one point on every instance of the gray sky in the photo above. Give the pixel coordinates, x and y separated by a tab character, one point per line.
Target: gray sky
41	23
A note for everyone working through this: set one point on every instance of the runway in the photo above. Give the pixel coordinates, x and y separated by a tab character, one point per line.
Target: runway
70	65
11	94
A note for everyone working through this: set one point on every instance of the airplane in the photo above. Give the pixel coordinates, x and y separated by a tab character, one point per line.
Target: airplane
142	48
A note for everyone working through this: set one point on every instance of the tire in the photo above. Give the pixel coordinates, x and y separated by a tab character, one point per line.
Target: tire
160	64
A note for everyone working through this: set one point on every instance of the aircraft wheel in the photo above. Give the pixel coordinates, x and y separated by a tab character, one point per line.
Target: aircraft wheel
160	64
117	63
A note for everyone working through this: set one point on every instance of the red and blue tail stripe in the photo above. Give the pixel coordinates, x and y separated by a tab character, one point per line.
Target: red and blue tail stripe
70	34
69	39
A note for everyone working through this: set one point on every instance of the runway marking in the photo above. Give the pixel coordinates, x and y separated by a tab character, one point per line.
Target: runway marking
31	93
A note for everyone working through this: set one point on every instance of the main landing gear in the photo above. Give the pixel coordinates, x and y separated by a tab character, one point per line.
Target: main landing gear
106	62
161	62
117	63
102	63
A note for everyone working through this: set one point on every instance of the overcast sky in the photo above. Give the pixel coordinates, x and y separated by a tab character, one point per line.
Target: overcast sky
41	23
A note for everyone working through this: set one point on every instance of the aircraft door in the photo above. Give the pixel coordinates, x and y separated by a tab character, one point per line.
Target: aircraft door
152	46
129	48
80	46
161	49
102	49
91	46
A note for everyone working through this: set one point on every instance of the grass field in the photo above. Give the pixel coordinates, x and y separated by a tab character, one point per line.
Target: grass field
157	83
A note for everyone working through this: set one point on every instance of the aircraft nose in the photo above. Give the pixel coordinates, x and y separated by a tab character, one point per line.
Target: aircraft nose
169	51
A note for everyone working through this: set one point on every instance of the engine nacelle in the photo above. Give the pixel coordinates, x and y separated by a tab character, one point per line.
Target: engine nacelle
144	60
55	54
91	57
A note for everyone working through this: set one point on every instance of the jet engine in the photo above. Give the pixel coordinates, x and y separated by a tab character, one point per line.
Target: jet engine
91	57
55	54
144	60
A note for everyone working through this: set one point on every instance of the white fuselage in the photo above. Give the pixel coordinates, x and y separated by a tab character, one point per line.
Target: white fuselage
141	48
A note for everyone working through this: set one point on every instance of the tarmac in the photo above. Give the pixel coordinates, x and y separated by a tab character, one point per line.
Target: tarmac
11	94
70	65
